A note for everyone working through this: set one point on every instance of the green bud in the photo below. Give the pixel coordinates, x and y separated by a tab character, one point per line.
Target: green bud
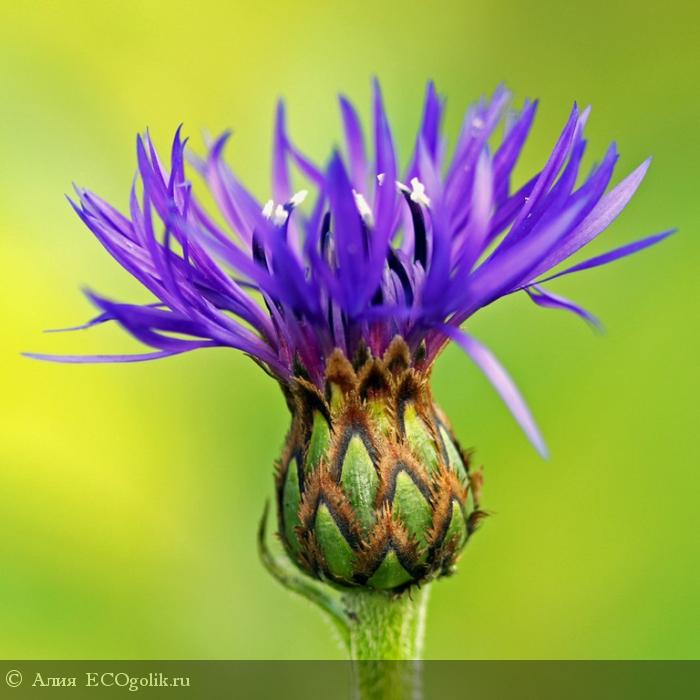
372	489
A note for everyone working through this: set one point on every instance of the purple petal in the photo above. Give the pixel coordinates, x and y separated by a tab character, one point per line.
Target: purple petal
356	145
548	300
612	255
476	234
102	318
101	359
430	126
349	236
604	213
219	180
384	163
582	202
508	209
281	186
479	124
500	274
502	383
441	254
546	177
509	151
429	131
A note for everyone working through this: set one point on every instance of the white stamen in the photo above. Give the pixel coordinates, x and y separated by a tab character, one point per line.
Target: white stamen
298	198
418	192
280	215
363	208
380	178
478	123
276	214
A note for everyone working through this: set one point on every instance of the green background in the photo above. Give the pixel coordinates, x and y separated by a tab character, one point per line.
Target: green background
129	495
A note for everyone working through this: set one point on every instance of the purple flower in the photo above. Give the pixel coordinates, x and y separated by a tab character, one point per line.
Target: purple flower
381	251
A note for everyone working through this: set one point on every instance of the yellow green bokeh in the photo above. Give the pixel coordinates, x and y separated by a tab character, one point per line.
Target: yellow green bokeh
129	495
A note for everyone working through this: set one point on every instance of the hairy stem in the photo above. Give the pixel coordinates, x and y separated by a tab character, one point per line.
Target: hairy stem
386	642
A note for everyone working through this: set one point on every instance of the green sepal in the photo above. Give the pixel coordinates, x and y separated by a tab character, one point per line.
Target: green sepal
334	547
457	529
291	499
319	443
419	439
454	459
360	481
389	574
411	507
380	490
379	416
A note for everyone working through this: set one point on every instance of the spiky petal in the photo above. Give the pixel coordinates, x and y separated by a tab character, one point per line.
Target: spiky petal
379	253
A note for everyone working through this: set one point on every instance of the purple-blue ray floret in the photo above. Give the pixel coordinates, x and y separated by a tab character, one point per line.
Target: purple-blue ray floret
375	251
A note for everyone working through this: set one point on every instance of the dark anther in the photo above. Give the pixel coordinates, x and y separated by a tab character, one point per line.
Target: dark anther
325	232
420	236
259	251
396	266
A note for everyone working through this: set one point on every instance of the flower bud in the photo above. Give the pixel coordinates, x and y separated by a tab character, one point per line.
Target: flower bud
372	489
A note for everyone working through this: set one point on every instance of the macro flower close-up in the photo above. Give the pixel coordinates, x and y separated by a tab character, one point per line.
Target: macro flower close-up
354	336
346	293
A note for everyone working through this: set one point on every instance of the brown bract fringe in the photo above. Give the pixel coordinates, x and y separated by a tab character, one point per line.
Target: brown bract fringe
369	400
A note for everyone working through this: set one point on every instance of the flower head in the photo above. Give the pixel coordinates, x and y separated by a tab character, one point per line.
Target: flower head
381	251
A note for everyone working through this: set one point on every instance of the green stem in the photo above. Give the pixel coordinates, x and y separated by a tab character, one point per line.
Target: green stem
382	631
386	642
304	586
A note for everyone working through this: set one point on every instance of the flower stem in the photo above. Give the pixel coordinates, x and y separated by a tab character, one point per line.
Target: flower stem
304	586
383	632
386	642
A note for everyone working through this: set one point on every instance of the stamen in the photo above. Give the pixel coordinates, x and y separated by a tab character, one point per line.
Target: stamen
280	215
418	192
364	209
380	178
276	214
298	198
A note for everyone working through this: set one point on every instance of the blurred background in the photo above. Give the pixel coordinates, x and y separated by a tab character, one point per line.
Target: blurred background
130	495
